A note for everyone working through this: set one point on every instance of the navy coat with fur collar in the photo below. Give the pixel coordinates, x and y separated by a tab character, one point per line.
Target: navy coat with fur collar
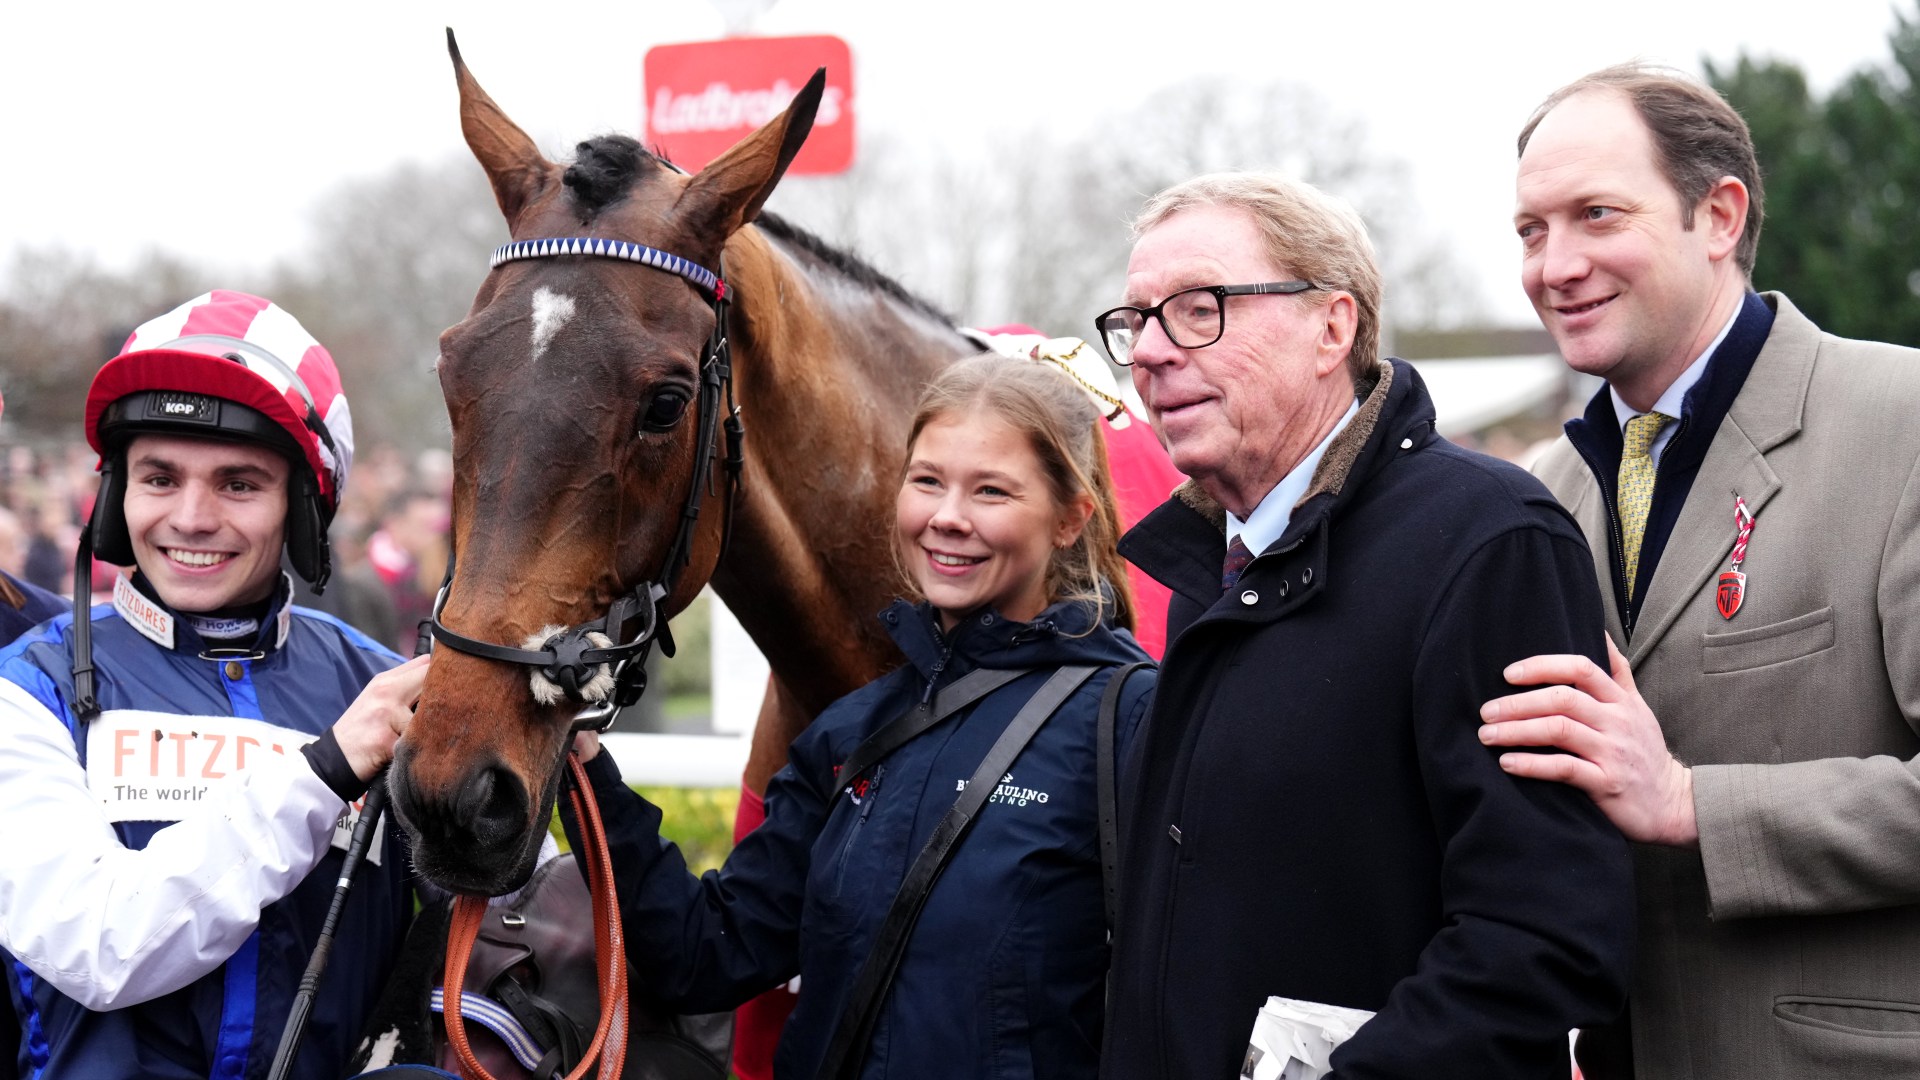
1310	813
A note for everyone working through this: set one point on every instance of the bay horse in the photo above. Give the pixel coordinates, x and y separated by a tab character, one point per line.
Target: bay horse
574	387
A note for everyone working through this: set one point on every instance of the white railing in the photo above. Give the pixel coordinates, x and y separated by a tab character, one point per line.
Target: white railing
712	761
717	760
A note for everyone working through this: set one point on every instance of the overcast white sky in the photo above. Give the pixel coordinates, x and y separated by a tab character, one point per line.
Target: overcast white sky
211	128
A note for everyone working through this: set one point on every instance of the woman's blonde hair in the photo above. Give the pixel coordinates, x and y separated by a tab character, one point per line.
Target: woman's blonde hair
1062	426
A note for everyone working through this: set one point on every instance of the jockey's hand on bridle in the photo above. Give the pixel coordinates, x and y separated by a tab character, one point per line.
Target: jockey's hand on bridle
367	730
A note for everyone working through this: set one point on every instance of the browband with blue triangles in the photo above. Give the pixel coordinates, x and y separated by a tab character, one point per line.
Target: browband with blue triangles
612	249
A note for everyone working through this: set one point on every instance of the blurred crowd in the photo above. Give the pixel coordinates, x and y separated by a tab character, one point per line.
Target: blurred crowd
389	538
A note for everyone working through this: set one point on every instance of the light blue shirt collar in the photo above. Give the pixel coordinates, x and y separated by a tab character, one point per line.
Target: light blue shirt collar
1675	397
1275	512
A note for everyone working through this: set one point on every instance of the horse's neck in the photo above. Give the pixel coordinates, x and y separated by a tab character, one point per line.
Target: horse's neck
827	376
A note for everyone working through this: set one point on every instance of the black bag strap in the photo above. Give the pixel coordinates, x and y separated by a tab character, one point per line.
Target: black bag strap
855	1031
955	696
1105	786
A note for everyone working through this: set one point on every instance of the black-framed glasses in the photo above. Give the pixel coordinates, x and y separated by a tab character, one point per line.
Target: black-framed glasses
1192	318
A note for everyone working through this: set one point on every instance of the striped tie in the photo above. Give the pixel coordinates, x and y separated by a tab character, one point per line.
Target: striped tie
1636	486
1237	559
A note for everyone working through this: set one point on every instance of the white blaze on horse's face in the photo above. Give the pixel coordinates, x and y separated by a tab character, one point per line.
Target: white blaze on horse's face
551	311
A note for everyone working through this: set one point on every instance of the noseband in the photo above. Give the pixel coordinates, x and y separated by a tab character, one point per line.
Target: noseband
569	657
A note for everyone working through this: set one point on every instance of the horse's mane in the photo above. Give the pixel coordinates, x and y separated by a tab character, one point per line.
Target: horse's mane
605	168
848	265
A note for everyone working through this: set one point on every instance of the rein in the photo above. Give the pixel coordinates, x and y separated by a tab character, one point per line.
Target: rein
609	1045
570	657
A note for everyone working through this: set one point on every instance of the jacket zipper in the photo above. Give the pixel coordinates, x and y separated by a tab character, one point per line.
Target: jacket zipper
879	770
939	667
859	822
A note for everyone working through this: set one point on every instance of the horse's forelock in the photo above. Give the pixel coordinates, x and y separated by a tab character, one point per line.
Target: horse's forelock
604	169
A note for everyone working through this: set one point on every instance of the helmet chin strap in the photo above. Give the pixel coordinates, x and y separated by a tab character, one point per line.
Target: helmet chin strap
86	706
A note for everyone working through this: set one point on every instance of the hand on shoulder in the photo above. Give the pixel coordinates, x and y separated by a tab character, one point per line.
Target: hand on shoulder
1613	747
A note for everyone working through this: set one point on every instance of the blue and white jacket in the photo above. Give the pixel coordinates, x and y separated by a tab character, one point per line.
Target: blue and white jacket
1005	973
165	869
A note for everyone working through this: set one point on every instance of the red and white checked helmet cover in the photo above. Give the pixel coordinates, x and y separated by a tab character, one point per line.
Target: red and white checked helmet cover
180	351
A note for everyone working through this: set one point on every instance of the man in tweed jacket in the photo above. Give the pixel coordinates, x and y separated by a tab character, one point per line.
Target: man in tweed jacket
1756	736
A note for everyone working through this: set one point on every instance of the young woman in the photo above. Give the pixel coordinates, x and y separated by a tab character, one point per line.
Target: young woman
1005	528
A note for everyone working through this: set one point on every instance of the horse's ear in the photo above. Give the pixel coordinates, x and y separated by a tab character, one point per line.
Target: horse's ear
515	167
734	186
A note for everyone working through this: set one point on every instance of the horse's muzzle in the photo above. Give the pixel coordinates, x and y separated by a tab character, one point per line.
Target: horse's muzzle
476	833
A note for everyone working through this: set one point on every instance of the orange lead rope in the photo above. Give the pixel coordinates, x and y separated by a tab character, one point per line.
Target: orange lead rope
609	1044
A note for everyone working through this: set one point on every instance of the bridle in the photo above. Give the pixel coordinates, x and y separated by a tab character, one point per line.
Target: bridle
568	658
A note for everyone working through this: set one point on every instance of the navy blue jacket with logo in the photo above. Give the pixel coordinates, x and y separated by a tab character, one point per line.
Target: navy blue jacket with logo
1005	974
84	906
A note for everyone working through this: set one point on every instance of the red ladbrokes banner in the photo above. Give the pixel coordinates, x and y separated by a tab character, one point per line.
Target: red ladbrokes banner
701	97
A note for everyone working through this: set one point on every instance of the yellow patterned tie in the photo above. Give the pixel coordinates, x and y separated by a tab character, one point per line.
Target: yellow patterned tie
1636	486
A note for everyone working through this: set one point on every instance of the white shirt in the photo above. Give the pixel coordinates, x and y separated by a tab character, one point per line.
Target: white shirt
1675	397
111	926
1275	512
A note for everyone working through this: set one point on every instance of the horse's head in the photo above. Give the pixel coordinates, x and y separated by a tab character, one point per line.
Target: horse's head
575	391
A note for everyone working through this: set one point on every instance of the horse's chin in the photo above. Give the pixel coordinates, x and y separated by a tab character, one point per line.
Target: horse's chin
482	877
482	868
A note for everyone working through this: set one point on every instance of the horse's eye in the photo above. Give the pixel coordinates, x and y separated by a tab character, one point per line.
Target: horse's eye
664	410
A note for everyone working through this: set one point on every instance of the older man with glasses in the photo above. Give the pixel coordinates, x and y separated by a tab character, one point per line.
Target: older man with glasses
1311	814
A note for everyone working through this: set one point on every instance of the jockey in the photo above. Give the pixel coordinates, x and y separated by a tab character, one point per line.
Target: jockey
177	767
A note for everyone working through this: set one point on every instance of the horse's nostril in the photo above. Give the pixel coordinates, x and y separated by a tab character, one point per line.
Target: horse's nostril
471	831
492	799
